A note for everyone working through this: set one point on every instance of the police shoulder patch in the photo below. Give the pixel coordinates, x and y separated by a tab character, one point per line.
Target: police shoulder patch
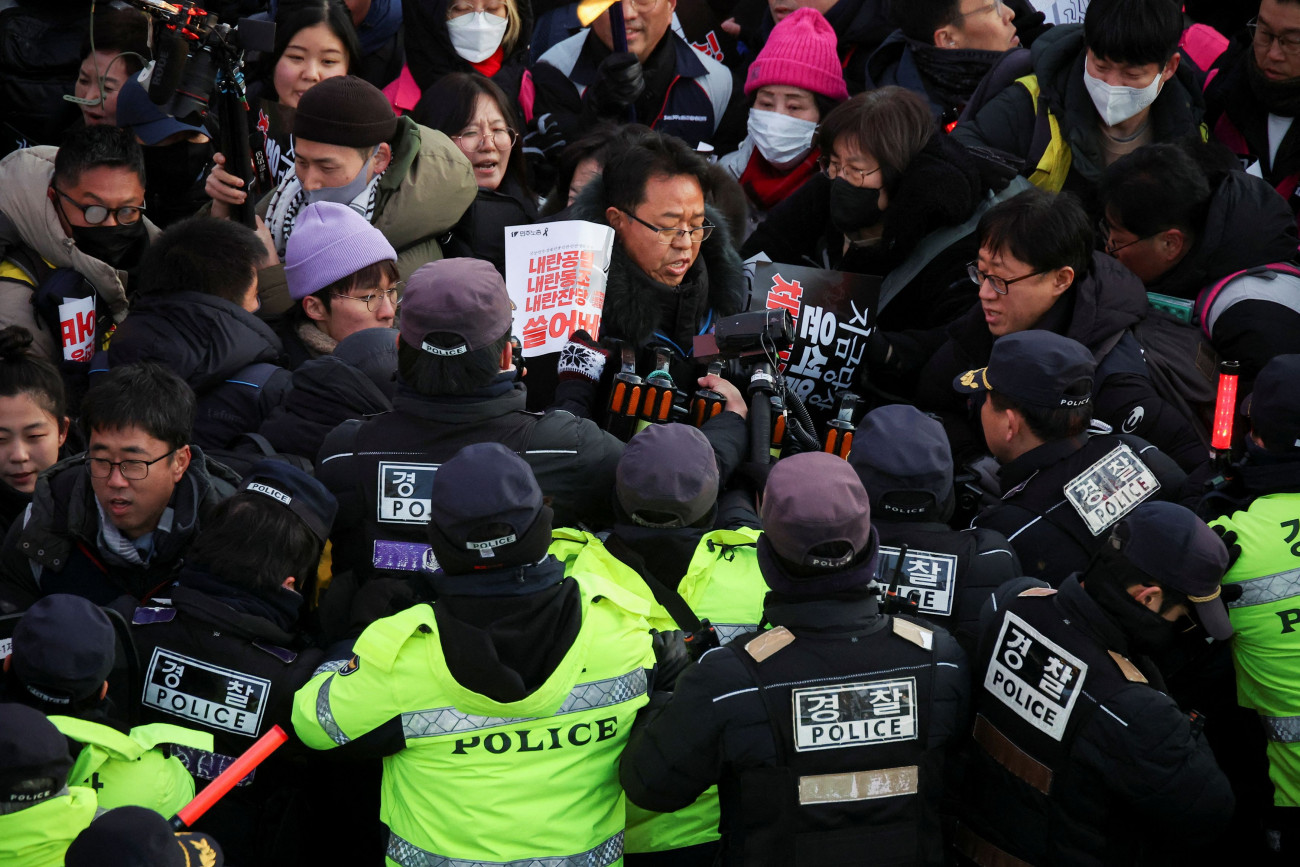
351	666
915	633
769	643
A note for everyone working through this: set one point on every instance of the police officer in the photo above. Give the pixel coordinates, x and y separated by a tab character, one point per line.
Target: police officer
1062	483
826	734
455	387
903	459
63	651
1264	528
226	656
664	547
503	706
40	813
1079	757
137	837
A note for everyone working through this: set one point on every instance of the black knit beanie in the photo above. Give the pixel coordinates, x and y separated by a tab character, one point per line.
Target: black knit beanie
345	110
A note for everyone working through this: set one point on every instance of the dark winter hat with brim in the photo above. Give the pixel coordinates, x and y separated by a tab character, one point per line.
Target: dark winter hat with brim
486	513
464	298
667	477
34	757
817	534
139	837
904	461
63	649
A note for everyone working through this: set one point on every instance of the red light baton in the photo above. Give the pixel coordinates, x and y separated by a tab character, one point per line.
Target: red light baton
1225	406
229	778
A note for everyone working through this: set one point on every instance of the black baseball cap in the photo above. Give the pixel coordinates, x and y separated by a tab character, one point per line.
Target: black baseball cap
904	461
1176	549
63	649
34	756
139	837
297	491
667	476
486	512
1036	368
464	297
1274	405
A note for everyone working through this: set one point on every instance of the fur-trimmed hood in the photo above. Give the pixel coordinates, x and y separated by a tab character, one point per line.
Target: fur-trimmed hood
633	302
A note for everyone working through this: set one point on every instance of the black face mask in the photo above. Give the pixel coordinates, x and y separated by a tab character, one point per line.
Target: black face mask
854	208
1148	633
119	246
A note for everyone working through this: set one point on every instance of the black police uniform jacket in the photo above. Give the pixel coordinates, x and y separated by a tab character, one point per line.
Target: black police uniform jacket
223	660
858	766
54	548
381	468
1077	759
1051	538
952	572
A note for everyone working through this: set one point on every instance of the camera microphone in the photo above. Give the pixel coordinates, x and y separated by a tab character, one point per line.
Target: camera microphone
171	53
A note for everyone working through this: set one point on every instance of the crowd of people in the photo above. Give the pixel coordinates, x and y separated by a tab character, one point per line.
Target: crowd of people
275	462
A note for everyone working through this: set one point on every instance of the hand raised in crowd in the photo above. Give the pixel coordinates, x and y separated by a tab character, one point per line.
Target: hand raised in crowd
620	81
735	400
223	188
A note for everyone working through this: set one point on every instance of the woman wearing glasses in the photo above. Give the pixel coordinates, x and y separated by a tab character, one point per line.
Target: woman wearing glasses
478	117
897	199
342	276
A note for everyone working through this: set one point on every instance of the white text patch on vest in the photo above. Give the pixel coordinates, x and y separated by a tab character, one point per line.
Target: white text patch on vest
199	691
1035	677
853	714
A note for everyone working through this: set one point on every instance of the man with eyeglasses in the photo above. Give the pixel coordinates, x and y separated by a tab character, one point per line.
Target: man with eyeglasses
408	181
666	83
1099	90
1208	237
79	207
118	520
195	314
1251	99
673	272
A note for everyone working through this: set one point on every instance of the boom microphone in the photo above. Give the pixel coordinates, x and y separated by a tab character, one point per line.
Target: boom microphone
169	67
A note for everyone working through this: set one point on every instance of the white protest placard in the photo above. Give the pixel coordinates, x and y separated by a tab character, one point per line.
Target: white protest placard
77	327
555	273
1062	11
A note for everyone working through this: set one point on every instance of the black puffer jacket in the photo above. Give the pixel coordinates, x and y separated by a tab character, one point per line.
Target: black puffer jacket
40	52
326	392
1106	301
637	308
942	187
226	354
1134	755
1009	123
480	234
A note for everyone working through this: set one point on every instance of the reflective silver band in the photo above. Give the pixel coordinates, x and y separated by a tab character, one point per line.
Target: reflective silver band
1281	729
409	855
325	716
585	696
859	785
1268	588
332	665
728	631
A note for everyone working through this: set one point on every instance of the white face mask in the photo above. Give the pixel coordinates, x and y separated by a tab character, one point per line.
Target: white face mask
781	139
476	36
1116	103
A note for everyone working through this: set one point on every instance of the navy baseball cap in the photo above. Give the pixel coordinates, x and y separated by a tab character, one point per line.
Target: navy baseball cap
137	113
63	649
486	512
1035	368
464	297
1176	549
139	837
904	461
813	501
302	494
34	757
667	476
1274	405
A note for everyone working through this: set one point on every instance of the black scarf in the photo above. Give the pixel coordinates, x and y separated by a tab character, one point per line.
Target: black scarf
1278	97
281	606
950	75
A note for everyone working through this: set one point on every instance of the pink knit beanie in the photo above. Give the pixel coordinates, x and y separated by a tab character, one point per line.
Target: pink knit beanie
800	52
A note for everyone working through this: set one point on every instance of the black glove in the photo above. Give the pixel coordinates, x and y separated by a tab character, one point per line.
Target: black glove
620	81
1229	538
671	657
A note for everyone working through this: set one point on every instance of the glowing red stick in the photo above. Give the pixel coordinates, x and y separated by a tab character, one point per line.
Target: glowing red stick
229	778
1225	406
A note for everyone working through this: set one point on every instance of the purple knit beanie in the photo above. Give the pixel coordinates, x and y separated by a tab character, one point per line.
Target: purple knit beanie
800	52
329	242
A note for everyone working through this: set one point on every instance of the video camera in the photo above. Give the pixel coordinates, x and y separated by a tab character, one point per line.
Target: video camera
192	50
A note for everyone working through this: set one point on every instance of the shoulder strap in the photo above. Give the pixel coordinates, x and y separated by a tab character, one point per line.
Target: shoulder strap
666	596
